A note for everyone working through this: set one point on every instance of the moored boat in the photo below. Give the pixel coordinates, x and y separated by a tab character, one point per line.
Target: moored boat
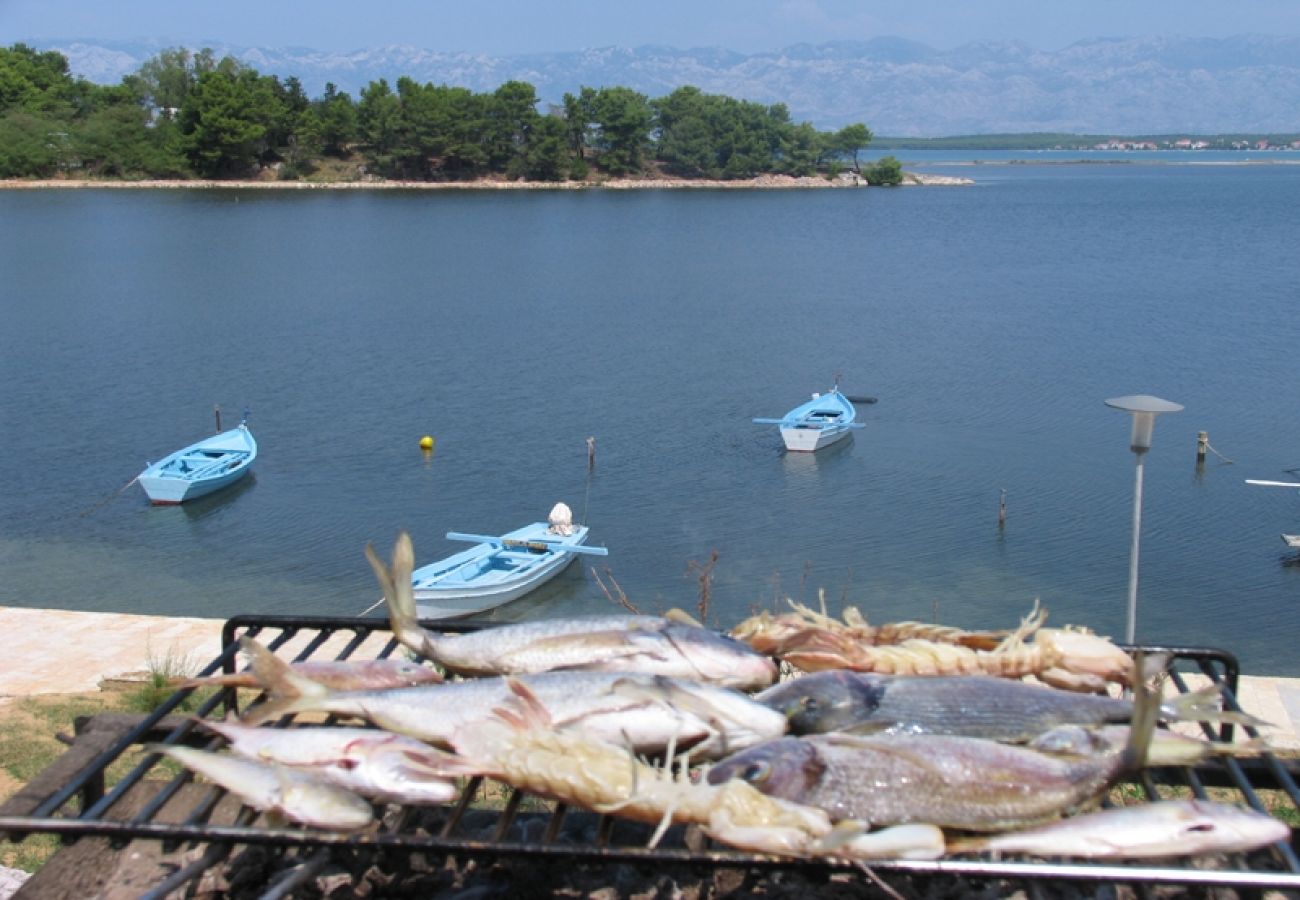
499	569
818	423
201	468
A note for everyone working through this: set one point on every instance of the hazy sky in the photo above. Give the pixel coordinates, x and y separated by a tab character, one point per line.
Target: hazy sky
521	26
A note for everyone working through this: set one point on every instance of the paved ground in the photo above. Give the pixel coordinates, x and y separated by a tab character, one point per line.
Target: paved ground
50	651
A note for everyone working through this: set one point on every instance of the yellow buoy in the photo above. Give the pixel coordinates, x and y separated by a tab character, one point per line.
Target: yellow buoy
426	443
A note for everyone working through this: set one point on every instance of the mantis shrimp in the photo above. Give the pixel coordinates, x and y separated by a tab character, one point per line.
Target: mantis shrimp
1071	658
519	746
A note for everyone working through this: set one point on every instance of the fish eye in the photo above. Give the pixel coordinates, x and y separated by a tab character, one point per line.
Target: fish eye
755	771
811	704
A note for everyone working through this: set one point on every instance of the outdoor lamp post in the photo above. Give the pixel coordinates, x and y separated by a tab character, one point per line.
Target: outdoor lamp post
1144	409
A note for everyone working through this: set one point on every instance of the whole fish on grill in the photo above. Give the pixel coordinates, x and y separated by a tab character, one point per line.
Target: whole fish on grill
280	790
949	781
953	782
374	763
1163	828
339	674
971	705
650	645
647	712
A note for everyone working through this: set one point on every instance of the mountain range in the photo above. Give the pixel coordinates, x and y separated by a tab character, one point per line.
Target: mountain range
897	87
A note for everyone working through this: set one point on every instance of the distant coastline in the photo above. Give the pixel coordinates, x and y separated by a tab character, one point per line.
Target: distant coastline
762	182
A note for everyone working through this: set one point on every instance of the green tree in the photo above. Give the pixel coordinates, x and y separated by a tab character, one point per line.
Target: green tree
377	115
29	145
39	83
850	140
226	119
623	118
164	82
335	120
546	157
511	117
579	119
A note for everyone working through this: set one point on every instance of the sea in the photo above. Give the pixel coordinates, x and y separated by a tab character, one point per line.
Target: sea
986	324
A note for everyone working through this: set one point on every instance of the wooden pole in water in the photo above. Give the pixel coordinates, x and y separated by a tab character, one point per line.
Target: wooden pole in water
1202	444
1002	510
216	411
591	453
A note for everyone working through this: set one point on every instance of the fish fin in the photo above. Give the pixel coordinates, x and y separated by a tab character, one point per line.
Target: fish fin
399	594
681	617
1203	706
288	691
524	710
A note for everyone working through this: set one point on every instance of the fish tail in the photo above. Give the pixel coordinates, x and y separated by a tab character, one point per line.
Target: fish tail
1146	713
399	594
1203	706
288	691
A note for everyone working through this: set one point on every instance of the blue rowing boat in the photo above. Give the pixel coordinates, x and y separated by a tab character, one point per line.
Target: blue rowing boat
201	468
820	422
498	569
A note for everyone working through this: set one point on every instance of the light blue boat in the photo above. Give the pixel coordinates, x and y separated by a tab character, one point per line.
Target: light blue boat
496	570
820	422
201	468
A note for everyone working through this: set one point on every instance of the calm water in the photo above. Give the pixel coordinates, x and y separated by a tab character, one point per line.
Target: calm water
990	321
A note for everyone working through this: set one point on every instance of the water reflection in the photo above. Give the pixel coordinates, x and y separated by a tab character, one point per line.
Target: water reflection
803	465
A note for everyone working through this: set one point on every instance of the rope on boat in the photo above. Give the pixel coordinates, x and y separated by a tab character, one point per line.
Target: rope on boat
112	496
1217	453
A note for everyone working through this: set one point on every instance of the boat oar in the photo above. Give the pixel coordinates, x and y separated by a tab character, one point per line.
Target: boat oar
795	423
859	399
1292	484
553	546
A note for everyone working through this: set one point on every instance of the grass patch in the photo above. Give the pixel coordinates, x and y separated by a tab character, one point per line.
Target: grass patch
29	744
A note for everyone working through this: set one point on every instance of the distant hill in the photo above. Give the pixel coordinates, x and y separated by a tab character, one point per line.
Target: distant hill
1245	84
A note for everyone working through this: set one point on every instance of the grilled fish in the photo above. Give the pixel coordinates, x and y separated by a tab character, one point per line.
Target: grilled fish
338	674
646	712
273	788
377	764
999	709
1163	828
949	781
952	782
649	645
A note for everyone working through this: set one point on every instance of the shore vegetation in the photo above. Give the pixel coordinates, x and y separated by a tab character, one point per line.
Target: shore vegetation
189	115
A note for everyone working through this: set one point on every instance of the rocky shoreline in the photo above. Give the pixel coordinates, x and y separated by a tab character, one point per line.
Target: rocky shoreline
762	182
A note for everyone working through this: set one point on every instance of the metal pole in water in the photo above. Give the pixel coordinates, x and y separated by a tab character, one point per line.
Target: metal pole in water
1202	445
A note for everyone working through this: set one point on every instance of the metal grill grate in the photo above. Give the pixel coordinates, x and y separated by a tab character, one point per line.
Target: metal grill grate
524	827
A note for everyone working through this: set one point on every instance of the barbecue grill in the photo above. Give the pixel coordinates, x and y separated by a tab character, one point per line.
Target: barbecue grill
209	838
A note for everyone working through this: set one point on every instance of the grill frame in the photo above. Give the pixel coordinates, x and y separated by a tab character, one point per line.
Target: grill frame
310	637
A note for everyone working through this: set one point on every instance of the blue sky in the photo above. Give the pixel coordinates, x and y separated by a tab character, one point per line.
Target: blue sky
522	26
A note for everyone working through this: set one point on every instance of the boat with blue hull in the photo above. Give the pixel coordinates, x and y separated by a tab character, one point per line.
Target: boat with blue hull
201	468
818	423
498	569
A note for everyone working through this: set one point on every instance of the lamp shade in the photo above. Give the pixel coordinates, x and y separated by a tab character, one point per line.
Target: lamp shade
1144	409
